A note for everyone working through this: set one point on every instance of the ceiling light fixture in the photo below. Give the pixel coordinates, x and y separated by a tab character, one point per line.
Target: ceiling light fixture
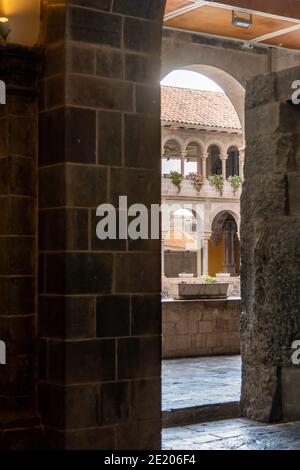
4	28
240	21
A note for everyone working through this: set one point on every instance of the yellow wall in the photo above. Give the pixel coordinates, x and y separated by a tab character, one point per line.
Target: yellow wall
24	20
216	257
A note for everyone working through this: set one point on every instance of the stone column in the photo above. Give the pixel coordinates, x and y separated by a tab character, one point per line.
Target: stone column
182	162
242	161
224	159
205	257
19	418
199	258
204	158
99	302
270	250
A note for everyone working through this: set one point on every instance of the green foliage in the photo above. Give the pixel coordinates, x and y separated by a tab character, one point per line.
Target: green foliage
218	182
235	182
209	280
176	179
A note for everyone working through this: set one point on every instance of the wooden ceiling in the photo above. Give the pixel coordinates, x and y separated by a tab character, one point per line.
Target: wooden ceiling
274	22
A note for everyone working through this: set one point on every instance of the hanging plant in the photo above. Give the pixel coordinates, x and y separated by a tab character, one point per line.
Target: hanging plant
235	182
218	182
176	179
197	180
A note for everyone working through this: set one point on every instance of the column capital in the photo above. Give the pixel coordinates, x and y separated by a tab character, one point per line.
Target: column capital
204	156
224	157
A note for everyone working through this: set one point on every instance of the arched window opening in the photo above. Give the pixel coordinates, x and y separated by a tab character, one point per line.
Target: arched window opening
232	164
171	160
215	162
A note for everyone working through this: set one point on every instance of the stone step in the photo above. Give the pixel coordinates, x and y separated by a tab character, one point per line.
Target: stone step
200	414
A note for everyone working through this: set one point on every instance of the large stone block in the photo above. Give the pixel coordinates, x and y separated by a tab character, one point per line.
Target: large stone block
140	145
137	272
63	229
67	317
76	185
261	90
72	406
141	8
84	361
290	386
115	403
113	316
261	398
142	36
139	357
99	93
78	273
94	26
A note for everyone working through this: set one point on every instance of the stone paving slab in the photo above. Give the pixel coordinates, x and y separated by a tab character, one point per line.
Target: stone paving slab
200	381
237	434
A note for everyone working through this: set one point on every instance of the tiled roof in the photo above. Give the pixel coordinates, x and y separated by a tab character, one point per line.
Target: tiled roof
199	108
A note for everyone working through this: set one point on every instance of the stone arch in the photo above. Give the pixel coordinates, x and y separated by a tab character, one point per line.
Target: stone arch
175	139
218	219
216	143
197	141
214	66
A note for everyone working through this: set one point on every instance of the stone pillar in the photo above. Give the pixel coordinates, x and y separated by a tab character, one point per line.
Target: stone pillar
241	161
270	245
205	257
162	259
224	159
204	158
99	139
199	258
19	68
182	162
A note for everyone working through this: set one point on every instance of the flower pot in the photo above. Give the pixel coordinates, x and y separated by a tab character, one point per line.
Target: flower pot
187	291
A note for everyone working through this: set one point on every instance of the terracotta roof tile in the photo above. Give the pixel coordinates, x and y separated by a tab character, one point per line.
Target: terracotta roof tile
200	108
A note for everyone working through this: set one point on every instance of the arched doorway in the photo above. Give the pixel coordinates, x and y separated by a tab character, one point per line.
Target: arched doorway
224	245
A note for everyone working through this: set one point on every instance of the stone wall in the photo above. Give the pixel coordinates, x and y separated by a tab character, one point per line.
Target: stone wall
200	327
19	422
180	262
270	242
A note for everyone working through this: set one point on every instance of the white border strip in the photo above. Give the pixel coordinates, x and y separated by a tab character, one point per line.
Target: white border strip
227	7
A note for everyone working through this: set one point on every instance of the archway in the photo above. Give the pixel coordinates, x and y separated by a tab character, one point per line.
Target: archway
225	246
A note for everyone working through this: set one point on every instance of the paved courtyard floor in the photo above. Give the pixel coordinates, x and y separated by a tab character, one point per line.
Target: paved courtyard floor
200	381
236	434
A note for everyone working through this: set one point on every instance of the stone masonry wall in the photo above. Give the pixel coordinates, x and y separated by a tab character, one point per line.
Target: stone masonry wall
270	244
99	302
200	327
19	422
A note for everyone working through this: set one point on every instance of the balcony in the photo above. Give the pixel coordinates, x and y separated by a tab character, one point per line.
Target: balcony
207	190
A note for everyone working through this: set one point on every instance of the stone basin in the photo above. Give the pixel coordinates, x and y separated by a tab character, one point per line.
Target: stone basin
185	290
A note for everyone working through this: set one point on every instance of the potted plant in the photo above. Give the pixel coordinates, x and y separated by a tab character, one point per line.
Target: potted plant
176	179
197	180
218	182
209	288
235	182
